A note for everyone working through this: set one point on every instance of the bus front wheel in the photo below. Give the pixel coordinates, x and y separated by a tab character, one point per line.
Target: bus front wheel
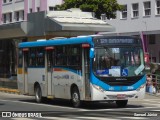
38	94
121	103
75	97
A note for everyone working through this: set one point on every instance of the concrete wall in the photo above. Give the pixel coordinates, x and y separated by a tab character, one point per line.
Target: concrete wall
154	49
133	26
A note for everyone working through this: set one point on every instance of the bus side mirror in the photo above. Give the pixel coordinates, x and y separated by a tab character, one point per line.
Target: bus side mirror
91	53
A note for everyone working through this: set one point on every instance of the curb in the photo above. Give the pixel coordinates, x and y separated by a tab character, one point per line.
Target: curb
7	90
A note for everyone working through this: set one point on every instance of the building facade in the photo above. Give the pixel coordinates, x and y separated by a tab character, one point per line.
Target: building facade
13	28
17	10
140	17
29	20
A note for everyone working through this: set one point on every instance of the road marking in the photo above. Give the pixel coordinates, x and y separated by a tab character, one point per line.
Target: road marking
22	118
152	101
118	109
134	118
157	105
56	118
79	118
41	104
155	110
80	109
95	118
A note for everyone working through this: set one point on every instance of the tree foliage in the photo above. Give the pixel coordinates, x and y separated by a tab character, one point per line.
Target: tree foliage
108	7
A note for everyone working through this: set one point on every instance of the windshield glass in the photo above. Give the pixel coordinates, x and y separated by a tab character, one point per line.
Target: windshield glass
119	61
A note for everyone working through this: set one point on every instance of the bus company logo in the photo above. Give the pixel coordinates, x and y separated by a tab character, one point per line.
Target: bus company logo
121	79
62	77
65	76
57	77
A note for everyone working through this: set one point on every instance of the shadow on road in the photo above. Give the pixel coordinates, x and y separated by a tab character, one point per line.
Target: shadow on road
1	103
85	105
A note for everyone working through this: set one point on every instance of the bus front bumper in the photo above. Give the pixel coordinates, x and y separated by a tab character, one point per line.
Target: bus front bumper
100	95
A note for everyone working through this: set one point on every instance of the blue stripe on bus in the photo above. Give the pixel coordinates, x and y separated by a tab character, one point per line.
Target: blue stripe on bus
96	81
66	41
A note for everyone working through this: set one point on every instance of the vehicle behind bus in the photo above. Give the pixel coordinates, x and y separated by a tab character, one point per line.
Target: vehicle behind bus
88	68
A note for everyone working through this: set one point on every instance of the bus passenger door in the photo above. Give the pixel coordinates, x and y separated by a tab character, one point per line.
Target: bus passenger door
86	70
50	63
25	70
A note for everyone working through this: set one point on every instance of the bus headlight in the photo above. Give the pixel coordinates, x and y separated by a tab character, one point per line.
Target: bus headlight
142	86
99	88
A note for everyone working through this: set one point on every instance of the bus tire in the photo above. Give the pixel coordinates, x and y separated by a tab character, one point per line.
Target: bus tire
121	103
38	94
75	97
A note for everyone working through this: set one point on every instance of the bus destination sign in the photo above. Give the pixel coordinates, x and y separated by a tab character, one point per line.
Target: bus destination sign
116	41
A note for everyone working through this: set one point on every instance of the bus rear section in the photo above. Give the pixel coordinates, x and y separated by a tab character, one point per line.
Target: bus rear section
55	69
99	68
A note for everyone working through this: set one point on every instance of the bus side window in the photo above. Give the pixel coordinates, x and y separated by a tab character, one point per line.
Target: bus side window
40	57
32	56
74	58
61	56
36	57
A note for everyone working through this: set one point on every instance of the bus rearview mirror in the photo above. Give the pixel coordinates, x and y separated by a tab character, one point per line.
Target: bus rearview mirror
91	54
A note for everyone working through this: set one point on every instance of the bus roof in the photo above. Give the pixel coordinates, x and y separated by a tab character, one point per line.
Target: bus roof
92	40
51	42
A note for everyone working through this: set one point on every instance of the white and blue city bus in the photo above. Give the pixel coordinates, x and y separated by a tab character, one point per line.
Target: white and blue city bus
88	68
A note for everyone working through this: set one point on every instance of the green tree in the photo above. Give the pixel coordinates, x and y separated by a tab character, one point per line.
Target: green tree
108	7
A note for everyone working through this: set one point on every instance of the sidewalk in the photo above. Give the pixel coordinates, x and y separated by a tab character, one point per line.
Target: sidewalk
8	85
151	94
8	90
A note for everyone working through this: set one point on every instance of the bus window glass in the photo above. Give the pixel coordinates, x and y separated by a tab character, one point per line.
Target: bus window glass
74	58
36	57
32	56
61	56
111	61
40	56
69	56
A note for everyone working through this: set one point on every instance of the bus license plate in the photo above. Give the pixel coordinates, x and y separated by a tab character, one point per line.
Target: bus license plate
121	96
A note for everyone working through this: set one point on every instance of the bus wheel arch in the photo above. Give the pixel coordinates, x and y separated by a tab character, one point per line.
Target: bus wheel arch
38	92
75	96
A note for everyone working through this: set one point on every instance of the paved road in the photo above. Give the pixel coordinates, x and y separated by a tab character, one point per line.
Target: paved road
19	105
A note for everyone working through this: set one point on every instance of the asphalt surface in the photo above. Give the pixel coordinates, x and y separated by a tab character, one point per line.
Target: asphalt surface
16	104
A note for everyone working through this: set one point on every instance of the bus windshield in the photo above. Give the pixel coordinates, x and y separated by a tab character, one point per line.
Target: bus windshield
118	61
